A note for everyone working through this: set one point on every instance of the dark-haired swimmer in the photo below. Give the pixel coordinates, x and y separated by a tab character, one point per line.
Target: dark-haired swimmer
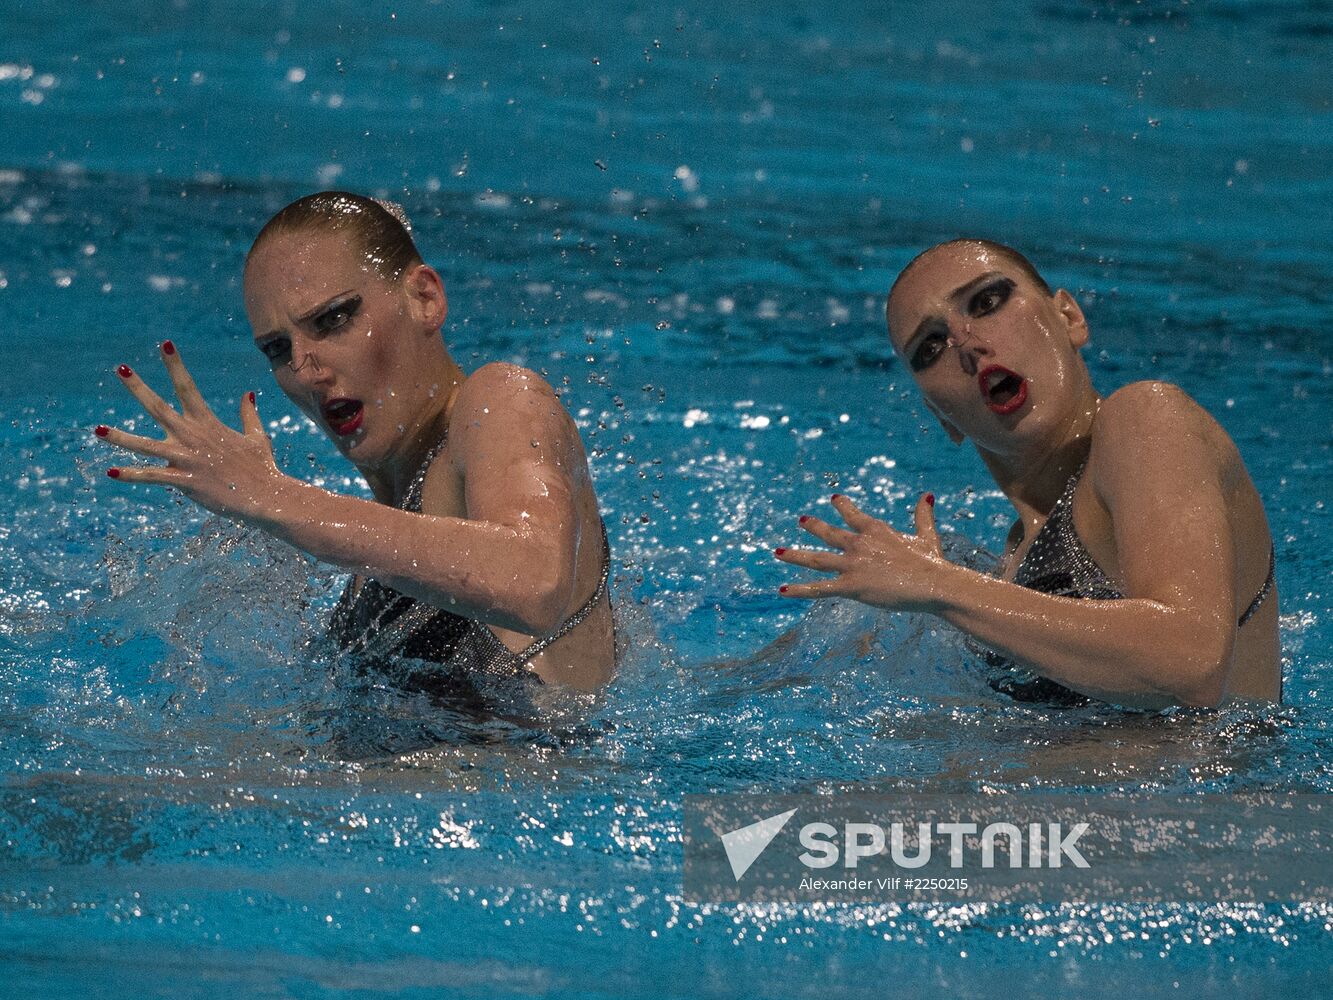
1140	568
483	551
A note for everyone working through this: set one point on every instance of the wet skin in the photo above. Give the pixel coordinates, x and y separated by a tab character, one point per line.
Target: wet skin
509	531
1165	505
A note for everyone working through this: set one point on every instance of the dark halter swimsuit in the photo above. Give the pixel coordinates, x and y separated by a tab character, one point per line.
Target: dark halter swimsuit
378	623
1058	563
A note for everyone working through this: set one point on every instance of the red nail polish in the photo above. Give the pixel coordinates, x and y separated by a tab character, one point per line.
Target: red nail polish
930	499
837	496
782	589
124	371
252	399
778	552
101	430
804	518
113	473
168	347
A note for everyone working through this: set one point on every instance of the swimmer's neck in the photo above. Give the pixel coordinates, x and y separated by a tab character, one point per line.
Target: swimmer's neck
390	479
1034	478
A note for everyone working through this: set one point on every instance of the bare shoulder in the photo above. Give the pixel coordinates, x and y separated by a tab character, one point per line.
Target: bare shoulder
1156	427
500	401
1152	408
501	382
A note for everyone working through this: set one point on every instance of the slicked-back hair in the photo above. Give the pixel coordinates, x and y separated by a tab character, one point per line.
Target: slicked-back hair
999	249
375	230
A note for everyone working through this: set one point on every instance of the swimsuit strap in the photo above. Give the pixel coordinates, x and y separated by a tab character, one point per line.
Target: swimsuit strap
489	654
382	640
1057	562
577	617
1264	591
1070	552
412	495
420	614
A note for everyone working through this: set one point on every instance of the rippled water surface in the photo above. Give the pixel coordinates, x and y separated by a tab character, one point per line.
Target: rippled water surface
687	219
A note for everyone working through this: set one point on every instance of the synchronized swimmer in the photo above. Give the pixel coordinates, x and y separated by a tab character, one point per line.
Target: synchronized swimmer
484	550
1139	570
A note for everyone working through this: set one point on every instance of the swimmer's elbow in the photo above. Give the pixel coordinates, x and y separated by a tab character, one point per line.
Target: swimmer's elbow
539	616
1206	692
543	607
1203	682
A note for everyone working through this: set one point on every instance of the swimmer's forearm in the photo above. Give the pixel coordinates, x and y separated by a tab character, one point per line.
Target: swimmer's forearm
491	572
1131	652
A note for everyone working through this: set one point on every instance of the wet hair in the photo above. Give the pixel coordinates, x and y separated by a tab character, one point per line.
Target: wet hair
378	230
1008	253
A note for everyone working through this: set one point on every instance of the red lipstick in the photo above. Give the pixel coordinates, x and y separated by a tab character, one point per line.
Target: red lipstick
343	415
1004	391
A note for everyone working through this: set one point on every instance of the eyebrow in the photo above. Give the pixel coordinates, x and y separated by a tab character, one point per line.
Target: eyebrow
309	314
929	323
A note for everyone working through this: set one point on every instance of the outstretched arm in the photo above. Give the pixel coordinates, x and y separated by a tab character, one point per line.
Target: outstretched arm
510	564
1170	641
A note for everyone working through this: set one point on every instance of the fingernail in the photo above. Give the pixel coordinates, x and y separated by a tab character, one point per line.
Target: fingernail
778	552
101	430
837	496
113	473
930	499
804	518
124	371
252	399
782	589
168	347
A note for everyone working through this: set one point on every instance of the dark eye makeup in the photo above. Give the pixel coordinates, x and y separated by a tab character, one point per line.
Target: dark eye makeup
983	302
990	297
930	347
337	314
276	348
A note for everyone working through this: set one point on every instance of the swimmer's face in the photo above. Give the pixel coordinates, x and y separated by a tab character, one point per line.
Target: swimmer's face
996	357
349	347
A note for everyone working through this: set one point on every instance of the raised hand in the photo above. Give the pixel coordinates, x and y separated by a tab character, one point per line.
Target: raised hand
873	563
227	471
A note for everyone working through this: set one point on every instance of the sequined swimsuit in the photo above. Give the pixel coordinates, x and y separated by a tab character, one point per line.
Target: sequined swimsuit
376	623
1058	563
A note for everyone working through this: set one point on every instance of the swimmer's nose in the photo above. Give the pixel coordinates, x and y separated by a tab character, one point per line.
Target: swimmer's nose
307	365
970	349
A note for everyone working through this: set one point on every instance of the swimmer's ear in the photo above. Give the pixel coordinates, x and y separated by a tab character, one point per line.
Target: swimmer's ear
425	293
1073	317
955	435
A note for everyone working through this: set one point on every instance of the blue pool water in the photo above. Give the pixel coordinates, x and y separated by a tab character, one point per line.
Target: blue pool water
687	217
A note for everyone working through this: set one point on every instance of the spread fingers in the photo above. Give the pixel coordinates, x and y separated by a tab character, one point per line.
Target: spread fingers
825	562
156	406
839	538
856	518
816	589
136	443
192	402
161	474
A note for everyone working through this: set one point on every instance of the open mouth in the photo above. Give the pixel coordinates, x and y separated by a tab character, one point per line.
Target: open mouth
1003	390
343	415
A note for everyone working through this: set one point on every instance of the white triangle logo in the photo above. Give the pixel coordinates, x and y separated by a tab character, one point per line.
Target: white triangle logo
744	846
